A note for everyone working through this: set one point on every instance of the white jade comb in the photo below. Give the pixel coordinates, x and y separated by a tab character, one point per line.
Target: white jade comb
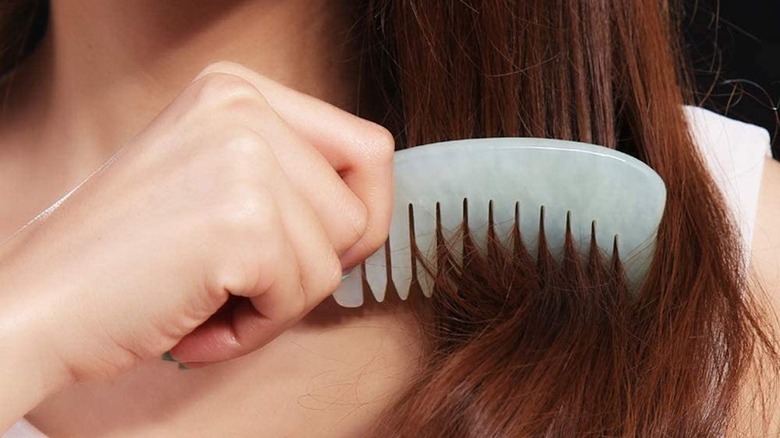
605	193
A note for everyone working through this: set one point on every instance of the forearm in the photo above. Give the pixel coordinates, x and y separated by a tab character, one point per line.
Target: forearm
28	372
23	380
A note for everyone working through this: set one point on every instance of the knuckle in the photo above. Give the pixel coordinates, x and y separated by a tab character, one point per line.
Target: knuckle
247	104
248	211
221	67
380	144
249	159
218	89
218	84
244	146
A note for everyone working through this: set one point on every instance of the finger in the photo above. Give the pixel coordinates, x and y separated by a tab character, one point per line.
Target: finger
342	213
311	271
318	266
270	266
360	151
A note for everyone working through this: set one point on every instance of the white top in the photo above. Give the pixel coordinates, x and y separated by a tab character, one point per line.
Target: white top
23	429
734	152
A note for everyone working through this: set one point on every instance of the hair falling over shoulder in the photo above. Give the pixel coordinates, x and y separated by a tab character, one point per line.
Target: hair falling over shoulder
520	346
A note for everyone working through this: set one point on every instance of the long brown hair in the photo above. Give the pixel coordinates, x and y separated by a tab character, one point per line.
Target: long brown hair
523	346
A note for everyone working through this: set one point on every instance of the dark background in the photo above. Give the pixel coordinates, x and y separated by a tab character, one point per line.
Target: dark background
734	46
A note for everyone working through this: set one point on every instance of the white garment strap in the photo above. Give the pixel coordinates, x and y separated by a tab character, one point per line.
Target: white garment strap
735	153
23	429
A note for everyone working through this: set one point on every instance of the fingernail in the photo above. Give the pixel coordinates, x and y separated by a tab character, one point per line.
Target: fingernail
346	273
167	357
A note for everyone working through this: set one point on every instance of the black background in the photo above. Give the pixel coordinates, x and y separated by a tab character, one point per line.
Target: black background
734	47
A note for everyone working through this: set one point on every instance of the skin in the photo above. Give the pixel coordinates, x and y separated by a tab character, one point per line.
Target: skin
106	71
238	162
765	263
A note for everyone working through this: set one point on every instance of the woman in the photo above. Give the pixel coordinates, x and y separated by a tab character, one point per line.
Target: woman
246	199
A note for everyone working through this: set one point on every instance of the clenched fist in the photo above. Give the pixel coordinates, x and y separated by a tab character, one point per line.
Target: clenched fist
226	220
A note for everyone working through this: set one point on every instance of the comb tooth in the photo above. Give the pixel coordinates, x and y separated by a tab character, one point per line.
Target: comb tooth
425	239
350	293
376	273
399	275
528	224
421	238
451	214
617	266
479	212
443	262
389	287
581	232
503	218
572	253
414	253
402	255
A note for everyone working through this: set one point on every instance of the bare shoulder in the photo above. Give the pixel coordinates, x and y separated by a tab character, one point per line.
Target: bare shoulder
765	264
766	239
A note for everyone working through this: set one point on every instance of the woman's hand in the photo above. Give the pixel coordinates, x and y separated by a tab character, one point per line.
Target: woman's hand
240	188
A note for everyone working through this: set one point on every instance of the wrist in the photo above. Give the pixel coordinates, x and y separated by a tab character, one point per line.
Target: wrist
30	371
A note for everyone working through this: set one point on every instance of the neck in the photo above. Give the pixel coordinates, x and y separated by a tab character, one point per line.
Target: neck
106	67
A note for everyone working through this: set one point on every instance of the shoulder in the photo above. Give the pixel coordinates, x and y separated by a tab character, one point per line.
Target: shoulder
766	238
765	276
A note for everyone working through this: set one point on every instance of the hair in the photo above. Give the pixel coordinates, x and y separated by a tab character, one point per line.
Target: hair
22	24
516	345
